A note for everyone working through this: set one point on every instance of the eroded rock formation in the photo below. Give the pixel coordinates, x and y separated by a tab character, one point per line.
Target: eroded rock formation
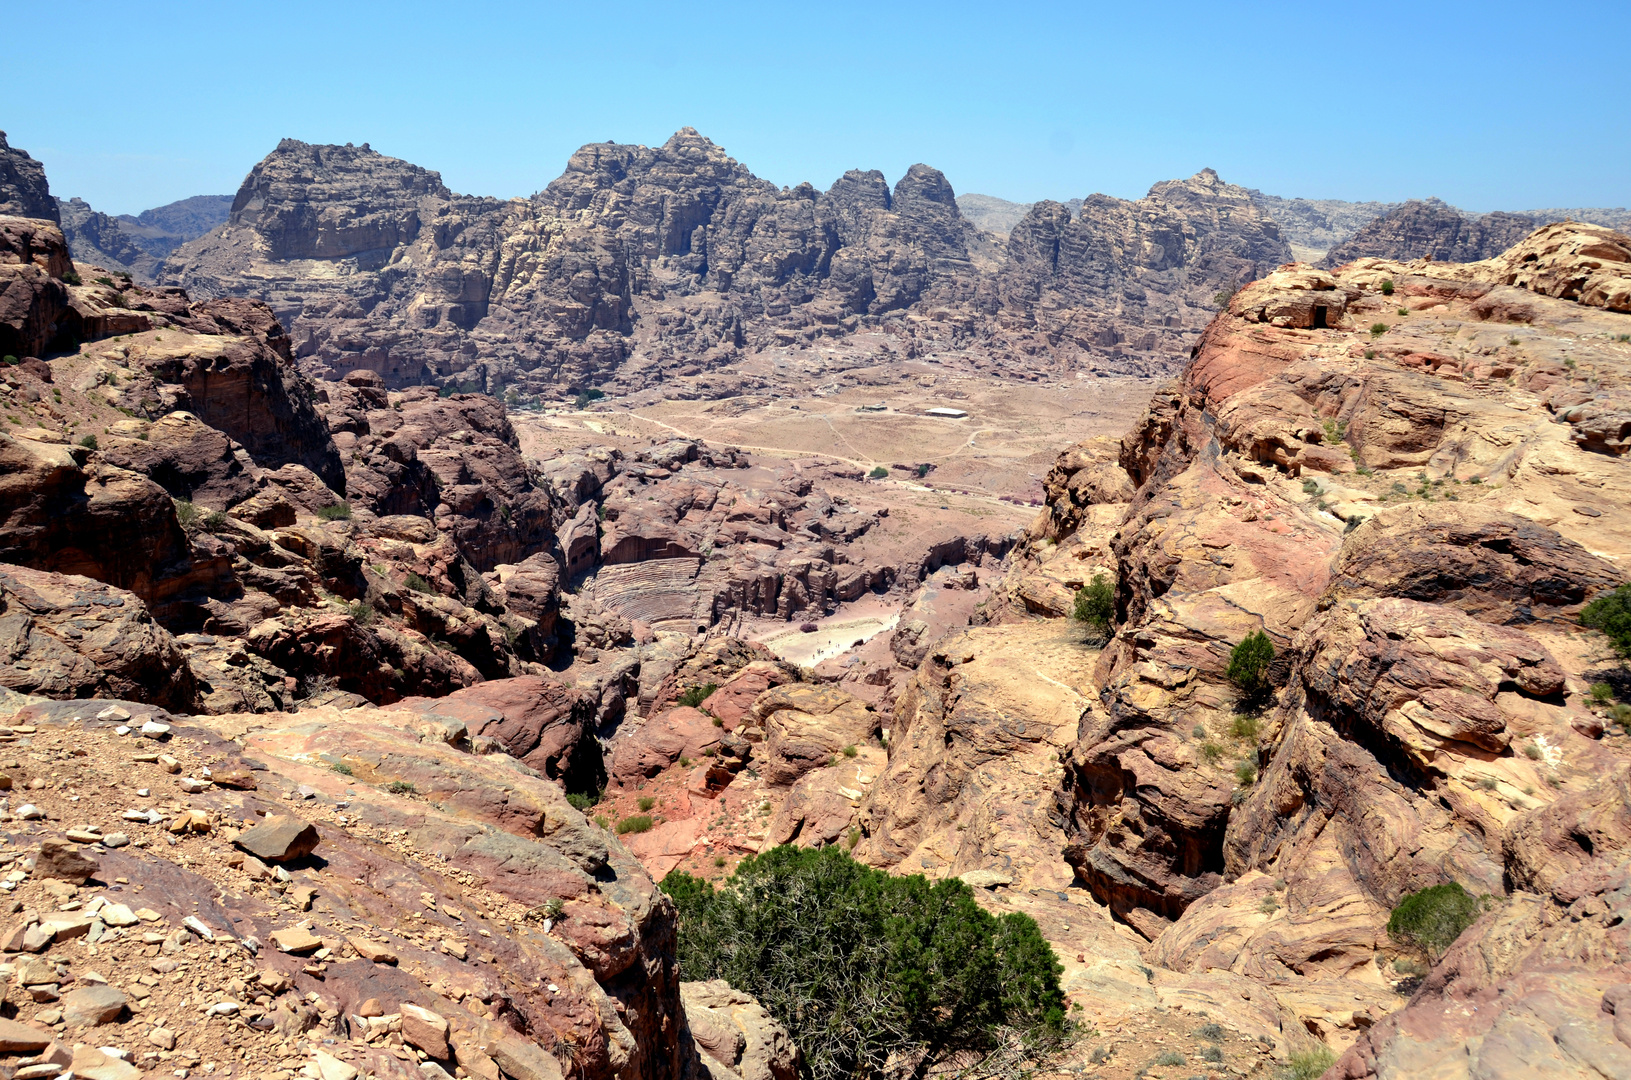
641	260
1435	230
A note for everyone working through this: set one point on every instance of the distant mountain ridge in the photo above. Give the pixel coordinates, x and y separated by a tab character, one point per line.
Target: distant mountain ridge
638	263
137	244
1312	227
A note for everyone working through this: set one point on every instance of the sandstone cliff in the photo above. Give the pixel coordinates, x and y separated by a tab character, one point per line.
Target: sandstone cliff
1395	490
639	259
1432	229
23	189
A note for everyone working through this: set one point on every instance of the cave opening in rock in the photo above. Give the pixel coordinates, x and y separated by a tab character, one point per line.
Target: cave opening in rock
1319	318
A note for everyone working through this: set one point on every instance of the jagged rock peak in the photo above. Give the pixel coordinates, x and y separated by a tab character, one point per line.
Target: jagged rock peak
927	184
314	201
23	190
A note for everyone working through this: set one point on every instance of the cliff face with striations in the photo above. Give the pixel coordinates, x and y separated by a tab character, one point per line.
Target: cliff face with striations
23	189
1432	229
1407	497
1142	273
639	257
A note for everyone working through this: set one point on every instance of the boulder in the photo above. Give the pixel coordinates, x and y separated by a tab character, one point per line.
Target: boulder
64	861
91	1006
278	839
736	1038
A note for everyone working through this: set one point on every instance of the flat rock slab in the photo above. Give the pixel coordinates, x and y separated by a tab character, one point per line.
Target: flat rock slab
279	839
63	861
372	950
296	939
91	1006
93	1064
18	1038
424	1029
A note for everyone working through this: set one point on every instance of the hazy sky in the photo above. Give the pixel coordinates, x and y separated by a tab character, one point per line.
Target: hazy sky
1489	105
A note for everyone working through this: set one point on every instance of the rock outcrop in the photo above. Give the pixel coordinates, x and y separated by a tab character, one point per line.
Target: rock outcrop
1414	534
452	904
67	636
1140	276
135	245
1432	229
23	188
735	1037
94	237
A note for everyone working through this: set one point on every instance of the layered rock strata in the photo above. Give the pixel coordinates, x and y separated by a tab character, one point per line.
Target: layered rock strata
641	260
1395	491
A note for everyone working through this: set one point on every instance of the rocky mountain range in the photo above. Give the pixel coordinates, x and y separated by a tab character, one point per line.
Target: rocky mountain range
651	254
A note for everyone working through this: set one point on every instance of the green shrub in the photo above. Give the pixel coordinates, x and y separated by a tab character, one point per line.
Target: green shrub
104	281
1601	693
1309	1064
1245	727
362	613
1387	286
1213	1054
635	823
1222	299
186	513
1096	605
863	967
646	803
1213	1032
11	360
1249	664
579	801
1169	1058
1378	329
72	278
416	583
1370	354
88	442
586	396
340	511
1312	487
719	860
922	471
685	763
343	769
694	696
1198	731
400	787
1611	614
1212	752
1531	751
1246	774
878	472
850	751
1434	917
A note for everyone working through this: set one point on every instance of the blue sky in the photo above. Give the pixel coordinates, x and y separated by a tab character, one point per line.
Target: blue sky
1491	105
